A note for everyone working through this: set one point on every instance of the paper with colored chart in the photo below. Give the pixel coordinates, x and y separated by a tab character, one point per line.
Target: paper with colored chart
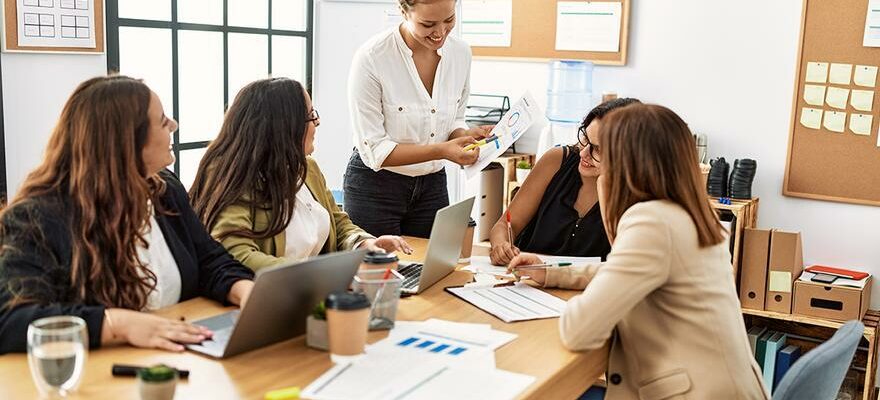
509	129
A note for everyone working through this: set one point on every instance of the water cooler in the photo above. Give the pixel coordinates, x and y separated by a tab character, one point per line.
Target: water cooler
569	99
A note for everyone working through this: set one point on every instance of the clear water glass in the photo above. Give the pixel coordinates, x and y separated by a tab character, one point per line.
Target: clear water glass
57	349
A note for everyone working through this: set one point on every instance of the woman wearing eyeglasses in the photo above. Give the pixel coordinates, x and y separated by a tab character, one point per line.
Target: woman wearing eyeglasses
556	211
258	191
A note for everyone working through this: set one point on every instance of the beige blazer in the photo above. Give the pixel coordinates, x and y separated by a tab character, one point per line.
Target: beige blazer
670	309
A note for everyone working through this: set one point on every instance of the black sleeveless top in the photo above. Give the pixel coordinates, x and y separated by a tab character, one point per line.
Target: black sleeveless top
556	229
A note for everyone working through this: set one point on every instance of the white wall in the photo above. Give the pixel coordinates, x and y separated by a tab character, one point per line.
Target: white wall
729	72
35	87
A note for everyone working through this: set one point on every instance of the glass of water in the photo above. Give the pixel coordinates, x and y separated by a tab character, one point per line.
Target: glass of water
57	348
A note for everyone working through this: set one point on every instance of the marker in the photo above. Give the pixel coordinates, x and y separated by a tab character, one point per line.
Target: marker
479	143
541	266
509	229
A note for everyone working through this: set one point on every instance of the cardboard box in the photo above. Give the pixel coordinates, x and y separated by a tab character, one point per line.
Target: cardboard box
839	303
786	265
755	259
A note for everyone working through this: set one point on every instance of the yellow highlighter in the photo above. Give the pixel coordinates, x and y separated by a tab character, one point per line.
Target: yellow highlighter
289	393
479	143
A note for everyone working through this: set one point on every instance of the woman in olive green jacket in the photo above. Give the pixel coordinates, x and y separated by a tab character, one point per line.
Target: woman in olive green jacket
261	195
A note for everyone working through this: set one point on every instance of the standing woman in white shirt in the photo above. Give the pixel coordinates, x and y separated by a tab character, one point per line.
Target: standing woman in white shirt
407	91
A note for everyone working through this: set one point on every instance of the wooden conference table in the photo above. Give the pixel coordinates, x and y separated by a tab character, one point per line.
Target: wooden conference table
537	351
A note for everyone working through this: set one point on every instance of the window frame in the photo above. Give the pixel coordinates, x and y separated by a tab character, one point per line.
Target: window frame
114	23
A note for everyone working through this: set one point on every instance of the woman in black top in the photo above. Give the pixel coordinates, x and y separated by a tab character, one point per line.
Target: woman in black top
102	231
556	211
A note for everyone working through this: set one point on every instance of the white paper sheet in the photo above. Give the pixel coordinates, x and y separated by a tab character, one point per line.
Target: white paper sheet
806	276
865	75
811	117
509	129
860	124
814	95
872	25
817	72
588	26
840	74
519	302
834	121
56	23
487	23
862	100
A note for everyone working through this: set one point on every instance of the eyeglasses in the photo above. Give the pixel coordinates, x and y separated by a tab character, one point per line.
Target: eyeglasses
314	117
584	141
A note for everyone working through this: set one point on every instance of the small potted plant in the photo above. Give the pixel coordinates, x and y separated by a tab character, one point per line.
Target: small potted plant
316	328
522	170
157	382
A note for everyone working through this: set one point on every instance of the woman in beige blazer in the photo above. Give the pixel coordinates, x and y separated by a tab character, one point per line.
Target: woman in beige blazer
666	297
260	194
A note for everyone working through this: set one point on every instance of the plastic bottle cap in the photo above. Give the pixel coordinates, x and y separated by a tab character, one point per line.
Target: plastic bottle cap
346	301
375	257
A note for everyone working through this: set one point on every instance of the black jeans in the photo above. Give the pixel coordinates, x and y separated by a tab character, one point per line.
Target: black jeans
387	203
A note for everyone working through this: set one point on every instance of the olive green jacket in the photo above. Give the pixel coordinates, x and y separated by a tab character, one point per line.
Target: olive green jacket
261	253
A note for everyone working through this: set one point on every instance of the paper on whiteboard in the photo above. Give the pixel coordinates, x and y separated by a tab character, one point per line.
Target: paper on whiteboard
588	26
487	23
56	23
872	25
510	128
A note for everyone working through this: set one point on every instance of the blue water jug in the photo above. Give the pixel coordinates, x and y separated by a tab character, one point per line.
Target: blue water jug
569	91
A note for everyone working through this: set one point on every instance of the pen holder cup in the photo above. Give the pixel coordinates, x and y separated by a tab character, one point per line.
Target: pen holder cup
384	295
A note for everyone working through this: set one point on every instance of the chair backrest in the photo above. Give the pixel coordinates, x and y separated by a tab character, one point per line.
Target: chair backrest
820	372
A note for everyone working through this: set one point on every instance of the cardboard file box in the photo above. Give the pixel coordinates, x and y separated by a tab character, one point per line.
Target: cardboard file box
840	303
755	258
786	265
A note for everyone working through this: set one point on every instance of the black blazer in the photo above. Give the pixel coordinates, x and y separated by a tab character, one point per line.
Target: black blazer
35	256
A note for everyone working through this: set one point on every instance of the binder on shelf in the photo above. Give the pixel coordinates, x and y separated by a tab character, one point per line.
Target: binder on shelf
786	265
774	344
784	360
754	333
761	348
755	259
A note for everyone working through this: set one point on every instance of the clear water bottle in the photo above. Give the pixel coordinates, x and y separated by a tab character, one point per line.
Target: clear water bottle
569	91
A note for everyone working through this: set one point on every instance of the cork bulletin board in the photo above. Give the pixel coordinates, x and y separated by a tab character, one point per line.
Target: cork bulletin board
533	36
834	149
63	26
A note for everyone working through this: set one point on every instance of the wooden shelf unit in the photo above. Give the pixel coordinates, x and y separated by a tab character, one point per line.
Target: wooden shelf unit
819	329
508	161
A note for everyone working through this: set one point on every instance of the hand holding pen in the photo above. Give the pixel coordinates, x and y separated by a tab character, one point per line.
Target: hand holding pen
528	264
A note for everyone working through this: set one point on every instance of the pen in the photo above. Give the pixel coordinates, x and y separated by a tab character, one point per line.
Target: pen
540	266
481	142
509	229
132	370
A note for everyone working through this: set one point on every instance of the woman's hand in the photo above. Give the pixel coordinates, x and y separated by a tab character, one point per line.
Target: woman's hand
538	275
502	253
240	292
151	331
387	243
477	132
453	150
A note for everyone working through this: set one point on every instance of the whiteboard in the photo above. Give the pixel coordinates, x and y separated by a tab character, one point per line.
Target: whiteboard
341	27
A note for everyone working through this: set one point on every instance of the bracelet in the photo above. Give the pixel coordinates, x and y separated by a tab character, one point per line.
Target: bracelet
110	324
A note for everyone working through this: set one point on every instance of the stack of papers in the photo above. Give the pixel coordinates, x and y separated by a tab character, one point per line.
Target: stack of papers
519	302
432	359
840	281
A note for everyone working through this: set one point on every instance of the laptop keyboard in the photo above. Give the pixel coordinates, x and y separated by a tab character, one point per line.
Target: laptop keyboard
411	274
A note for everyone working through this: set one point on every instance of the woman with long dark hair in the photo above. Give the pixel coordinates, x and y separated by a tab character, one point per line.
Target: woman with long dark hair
258	191
666	297
102	231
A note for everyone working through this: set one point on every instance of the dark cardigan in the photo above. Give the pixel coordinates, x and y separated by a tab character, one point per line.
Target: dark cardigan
35	256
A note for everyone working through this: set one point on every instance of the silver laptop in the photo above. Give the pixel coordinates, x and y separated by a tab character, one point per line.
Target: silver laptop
282	298
444	247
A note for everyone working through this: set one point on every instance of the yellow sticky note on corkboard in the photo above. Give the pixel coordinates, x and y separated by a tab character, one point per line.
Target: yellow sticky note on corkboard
780	281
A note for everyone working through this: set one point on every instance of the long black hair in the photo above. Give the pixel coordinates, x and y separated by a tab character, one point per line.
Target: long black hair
258	157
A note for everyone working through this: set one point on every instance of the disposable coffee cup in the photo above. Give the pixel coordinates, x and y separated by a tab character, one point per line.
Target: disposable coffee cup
348	318
378	260
467	244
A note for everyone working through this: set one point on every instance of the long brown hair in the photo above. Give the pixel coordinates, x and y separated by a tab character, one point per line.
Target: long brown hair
649	154
258	157
94	160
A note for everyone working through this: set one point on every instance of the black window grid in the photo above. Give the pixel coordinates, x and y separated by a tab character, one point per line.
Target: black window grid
114	23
